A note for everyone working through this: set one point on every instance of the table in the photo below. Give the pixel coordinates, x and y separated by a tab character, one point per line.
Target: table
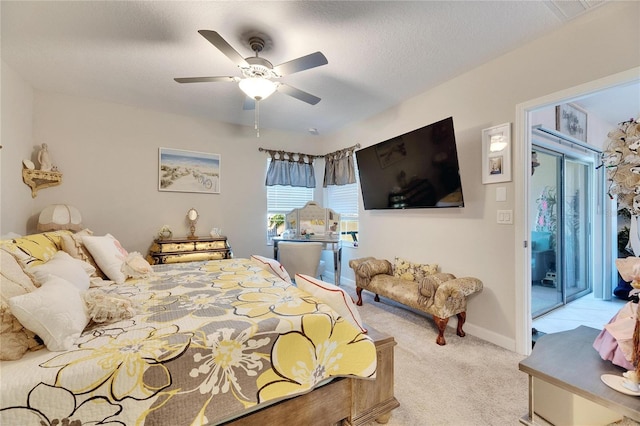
333	244
177	250
568	361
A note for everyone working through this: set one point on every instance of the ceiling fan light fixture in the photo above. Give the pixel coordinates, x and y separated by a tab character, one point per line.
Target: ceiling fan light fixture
257	88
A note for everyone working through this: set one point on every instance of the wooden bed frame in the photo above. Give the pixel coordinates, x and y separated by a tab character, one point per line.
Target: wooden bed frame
344	401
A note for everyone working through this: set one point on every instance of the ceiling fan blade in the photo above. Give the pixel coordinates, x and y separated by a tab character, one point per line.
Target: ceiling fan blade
222	45
298	94
302	63
249	104
206	79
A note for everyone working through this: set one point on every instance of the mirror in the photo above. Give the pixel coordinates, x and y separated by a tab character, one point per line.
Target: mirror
192	217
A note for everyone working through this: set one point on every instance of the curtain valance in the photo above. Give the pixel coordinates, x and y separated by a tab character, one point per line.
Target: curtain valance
339	168
291	169
296	169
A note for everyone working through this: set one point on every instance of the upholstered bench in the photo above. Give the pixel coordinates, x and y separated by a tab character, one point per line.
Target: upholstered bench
420	287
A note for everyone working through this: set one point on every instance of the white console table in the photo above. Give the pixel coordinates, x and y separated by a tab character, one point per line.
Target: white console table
333	244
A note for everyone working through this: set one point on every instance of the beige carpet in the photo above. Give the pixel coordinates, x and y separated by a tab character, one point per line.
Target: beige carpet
466	382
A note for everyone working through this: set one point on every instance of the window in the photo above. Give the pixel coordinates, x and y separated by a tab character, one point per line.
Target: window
280	201
343	199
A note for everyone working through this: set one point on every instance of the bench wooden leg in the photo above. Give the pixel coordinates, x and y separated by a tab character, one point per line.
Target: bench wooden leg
359	293
462	317
441	323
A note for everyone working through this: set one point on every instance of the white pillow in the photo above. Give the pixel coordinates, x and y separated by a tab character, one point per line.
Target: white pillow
272	266
333	296
62	265
108	254
135	266
55	312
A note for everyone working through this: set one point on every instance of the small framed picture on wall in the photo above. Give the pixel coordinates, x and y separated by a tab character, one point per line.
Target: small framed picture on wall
496	154
572	121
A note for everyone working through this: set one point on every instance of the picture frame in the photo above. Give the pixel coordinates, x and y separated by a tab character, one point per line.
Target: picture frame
188	171
496	154
571	120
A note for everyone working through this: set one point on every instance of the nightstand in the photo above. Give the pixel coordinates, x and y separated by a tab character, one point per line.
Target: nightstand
177	250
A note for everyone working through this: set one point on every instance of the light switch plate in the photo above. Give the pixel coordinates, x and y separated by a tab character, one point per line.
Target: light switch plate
501	193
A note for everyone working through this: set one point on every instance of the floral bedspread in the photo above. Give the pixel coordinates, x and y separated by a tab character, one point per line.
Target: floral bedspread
211	340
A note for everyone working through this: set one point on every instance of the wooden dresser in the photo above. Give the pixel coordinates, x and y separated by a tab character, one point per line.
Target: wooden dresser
177	250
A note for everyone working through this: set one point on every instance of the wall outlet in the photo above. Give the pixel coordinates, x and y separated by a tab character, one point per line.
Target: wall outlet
505	217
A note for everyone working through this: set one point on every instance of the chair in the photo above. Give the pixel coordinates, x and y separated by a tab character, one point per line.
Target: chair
300	257
321	267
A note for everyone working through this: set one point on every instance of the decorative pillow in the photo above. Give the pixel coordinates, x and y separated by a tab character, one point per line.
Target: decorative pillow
272	266
72	244
334	296
108	254
56	312
15	340
34	249
105	308
64	266
135	266
412	271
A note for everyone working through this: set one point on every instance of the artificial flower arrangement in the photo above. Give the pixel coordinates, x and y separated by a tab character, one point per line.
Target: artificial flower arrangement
622	163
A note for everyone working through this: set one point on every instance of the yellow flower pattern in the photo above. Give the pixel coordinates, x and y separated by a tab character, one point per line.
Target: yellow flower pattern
210	339
322	349
123	361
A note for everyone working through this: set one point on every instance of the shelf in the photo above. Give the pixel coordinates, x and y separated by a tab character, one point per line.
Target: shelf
38	179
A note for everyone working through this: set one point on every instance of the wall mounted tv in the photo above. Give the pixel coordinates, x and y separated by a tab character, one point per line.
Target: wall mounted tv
418	169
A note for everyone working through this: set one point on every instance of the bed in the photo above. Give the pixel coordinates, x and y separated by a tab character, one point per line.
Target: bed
213	342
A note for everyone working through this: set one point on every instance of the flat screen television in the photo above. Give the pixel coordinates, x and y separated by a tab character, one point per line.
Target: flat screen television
418	169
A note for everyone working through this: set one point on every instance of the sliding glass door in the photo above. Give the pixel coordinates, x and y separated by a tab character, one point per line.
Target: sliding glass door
546	248
577	220
561	238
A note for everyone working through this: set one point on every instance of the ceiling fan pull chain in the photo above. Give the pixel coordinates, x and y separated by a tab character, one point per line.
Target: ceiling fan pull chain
257	118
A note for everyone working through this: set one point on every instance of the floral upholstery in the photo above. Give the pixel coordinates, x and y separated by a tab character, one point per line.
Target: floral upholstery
412	271
439	294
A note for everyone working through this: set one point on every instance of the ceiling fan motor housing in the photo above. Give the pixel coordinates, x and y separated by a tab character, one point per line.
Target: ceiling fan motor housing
256	44
259	67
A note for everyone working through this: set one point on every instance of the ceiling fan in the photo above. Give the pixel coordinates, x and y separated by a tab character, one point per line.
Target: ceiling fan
258	74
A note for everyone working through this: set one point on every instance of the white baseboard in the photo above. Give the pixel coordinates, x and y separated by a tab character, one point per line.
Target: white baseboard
490	336
469	327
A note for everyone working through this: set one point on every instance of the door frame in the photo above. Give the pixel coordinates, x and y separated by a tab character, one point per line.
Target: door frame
522	156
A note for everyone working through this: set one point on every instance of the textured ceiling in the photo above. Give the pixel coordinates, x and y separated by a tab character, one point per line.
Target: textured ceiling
380	53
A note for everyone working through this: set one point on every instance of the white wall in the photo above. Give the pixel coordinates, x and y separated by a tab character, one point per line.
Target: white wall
468	241
16	140
108	154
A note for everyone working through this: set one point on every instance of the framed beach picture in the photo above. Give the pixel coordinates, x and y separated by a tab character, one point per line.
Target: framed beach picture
188	171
